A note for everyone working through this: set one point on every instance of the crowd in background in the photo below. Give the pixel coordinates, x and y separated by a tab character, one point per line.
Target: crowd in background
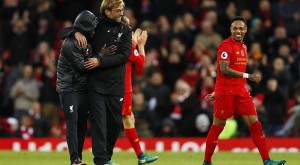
168	100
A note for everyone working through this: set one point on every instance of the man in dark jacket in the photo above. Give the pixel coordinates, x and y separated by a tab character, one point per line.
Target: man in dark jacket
106	78
106	83
72	84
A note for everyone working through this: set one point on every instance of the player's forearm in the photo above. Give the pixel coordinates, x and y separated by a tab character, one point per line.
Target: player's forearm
232	73
228	72
141	50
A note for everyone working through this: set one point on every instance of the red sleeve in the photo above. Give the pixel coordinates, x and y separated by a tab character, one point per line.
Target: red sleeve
224	52
137	58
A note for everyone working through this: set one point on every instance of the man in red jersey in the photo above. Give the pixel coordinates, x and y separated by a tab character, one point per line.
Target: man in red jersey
137	57
231	95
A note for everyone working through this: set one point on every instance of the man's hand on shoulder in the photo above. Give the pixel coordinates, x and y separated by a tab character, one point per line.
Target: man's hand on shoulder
81	39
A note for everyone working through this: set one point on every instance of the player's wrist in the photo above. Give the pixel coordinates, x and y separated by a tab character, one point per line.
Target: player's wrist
245	75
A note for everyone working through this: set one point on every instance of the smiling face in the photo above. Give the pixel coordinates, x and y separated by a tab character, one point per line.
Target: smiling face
116	12
238	30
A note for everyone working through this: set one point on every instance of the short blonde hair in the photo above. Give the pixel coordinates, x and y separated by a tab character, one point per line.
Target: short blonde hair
108	4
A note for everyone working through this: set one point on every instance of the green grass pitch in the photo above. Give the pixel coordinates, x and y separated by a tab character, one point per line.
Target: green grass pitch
128	158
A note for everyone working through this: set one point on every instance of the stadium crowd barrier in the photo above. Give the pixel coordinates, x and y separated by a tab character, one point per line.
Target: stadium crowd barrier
291	145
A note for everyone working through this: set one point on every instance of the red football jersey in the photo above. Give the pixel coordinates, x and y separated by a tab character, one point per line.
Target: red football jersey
138	60
236	54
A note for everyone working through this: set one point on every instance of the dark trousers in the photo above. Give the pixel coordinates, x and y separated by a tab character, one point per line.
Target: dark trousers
75	107
106	122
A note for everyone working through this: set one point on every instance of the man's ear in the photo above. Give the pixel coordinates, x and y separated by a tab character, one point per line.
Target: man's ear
107	12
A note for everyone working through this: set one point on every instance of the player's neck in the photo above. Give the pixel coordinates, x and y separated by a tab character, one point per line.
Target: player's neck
241	41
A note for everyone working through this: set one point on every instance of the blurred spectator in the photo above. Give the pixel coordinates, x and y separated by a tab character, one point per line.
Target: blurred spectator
209	38
24	92
181	33
204	88
58	41
44	54
284	51
259	33
293	113
173	65
164	29
18	40
213	17
247	14
41	125
143	117
290	13
190	26
280	72
8	127
191	76
147	10
275	104
196	53
154	40
185	109
49	98
265	14
279	37
255	52
10	75
157	96
167	129
295	66
206	68
133	20
44	31
226	16
177	46
26	130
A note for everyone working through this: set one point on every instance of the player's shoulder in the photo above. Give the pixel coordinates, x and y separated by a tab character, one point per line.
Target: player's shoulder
125	27
227	41
70	44
225	44
244	46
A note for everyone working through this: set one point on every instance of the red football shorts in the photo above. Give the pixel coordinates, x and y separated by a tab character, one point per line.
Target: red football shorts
227	106
127	104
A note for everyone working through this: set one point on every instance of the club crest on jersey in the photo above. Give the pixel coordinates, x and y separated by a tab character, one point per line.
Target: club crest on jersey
224	55
242	53
119	37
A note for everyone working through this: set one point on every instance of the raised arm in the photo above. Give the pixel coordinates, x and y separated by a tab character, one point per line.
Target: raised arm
139	39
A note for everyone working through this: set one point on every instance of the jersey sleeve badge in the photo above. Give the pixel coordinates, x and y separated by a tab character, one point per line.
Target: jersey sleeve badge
136	53
224	55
